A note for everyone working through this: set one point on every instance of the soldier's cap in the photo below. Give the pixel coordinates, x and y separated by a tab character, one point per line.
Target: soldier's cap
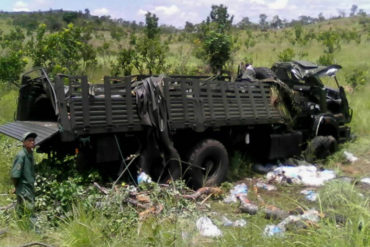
28	135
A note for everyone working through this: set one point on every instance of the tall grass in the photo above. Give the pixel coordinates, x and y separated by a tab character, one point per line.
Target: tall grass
360	103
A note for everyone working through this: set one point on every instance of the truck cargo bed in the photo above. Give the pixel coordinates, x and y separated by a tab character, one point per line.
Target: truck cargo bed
191	103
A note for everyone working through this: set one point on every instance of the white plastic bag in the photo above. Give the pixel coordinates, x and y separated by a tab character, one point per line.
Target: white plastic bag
207	228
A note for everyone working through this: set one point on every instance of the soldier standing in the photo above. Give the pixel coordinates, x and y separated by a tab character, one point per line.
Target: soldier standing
23	176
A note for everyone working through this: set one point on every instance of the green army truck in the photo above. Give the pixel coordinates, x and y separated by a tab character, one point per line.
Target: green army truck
181	126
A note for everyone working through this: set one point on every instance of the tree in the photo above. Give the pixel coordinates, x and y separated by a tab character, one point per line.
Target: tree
341	13
286	55
361	12
215	38
87	13
217	46
276	22
321	17
103	50
70	17
117	33
249	41
220	16
263	22
124	64
353	10
28	22
152	55
331	40
298	31
66	51
244	23
151	25
148	52
12	60
189	27
305	20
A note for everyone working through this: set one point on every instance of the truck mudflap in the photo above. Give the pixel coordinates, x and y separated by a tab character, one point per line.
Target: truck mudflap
44	130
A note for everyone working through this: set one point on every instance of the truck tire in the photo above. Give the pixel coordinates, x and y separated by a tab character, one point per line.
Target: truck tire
208	164
264	73
321	147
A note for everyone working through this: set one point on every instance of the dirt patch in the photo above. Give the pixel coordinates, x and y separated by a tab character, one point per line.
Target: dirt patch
358	169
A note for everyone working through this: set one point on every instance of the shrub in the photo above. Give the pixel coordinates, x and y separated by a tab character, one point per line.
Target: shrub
357	77
326	59
66	51
286	55
12	60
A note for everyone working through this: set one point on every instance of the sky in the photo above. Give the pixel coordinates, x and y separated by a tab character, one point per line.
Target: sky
177	12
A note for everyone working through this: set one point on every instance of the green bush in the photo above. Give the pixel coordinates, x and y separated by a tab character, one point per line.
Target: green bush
66	51
358	77
12	59
326	59
286	55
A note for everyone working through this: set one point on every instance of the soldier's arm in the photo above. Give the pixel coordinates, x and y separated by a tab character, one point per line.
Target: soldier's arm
17	168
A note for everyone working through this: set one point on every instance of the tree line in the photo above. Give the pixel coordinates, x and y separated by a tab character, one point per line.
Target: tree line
70	50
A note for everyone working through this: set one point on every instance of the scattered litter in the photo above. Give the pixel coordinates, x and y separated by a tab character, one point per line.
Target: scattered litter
268	187
237	223
311	216
350	157
365	181
273	230
207	228
226	221
143	178
247	207
307	175
272	212
204	190
240	223
238	190
264	168
310	195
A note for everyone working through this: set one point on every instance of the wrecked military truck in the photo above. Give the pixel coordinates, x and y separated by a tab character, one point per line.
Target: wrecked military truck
181	126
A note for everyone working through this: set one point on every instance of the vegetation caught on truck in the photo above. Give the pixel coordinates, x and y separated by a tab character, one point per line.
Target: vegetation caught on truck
181	126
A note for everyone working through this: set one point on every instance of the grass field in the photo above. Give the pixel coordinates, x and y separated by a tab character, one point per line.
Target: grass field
114	223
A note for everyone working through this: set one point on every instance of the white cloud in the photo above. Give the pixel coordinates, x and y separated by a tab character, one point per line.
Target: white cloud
164	10
100	12
20	6
278	4
43	2
258	1
141	12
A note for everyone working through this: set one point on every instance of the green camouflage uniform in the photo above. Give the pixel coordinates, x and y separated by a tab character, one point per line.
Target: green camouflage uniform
23	170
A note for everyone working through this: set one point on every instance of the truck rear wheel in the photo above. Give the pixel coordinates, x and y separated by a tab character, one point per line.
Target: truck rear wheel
208	164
